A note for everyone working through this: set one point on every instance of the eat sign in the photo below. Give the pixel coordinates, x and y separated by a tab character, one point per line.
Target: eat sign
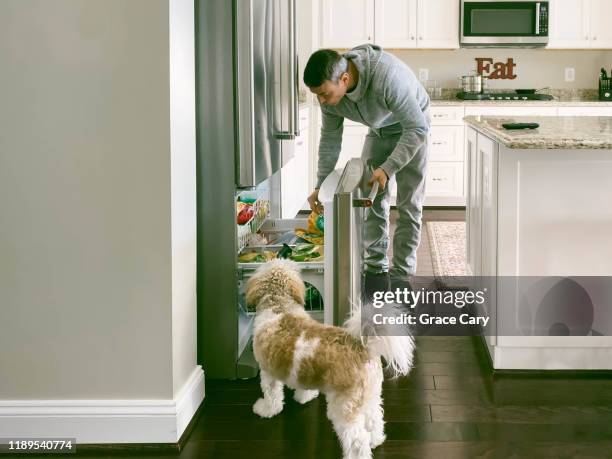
501	70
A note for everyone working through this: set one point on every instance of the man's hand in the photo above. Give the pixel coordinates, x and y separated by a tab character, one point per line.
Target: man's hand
380	176
315	204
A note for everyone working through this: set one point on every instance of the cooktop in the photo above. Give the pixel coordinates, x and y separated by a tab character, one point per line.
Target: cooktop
503	96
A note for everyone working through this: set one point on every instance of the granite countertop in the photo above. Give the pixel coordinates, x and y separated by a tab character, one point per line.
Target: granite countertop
538	103
555	132
562	98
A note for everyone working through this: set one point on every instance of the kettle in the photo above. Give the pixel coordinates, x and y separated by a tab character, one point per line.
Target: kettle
473	83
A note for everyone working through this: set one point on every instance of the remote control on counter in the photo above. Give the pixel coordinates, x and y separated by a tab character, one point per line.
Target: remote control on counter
521	125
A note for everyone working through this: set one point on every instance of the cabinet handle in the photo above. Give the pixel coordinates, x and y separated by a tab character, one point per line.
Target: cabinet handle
586	38
595	37
301	143
420	38
412	37
439	116
439	143
436	179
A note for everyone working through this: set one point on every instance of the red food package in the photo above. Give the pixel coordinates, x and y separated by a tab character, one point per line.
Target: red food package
245	215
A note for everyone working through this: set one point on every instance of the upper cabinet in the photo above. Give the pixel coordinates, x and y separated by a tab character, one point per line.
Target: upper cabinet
580	24
390	23
601	29
438	24
396	23
431	24
346	23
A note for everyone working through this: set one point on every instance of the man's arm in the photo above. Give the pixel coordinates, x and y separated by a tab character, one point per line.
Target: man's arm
330	144
400	97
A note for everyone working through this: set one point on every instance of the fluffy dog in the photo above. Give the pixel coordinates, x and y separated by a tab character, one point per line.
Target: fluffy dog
295	350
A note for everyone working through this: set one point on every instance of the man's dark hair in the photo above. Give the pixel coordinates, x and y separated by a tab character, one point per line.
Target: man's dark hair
324	64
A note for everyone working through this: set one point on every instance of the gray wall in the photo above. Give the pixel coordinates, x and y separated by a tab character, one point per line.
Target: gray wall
86	250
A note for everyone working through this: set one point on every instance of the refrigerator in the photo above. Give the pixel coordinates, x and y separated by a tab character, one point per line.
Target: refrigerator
247	77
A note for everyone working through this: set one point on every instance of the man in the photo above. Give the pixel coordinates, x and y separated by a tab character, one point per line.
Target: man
375	88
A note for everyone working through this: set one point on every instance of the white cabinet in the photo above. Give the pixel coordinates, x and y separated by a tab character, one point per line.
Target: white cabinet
287	191
601	30
586	111
445	170
487	153
447	115
481	218
302	188
396	23
444	179
473	202
390	23
353	139
438	24
580	24
569	24
446	143
346	23
528	110
294	174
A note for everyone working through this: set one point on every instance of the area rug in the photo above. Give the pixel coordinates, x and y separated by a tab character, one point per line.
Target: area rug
447	241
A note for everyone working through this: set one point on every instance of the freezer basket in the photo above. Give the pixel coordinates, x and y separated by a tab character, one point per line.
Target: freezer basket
313	298
261	209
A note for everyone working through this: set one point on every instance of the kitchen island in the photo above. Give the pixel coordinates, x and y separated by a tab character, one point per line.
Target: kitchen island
539	230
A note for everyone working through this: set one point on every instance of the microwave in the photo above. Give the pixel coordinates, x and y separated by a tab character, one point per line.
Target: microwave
516	23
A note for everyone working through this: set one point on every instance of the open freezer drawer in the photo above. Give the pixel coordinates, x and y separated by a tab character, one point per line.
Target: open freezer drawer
277	232
335	280
345	207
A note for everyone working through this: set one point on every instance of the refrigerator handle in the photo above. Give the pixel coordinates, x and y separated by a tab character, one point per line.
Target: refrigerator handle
368	201
296	114
245	109
292	128
296	81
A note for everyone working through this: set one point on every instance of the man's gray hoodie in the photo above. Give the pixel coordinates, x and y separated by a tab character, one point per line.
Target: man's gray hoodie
388	95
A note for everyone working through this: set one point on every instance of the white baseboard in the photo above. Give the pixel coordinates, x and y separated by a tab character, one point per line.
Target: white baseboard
105	421
547	358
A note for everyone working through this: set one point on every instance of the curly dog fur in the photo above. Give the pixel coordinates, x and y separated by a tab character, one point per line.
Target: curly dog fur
295	350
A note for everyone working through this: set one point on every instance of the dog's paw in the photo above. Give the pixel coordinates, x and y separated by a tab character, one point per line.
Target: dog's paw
265	409
304	396
376	440
359	451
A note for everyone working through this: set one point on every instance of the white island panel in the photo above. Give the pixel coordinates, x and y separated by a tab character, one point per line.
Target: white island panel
562	212
543	213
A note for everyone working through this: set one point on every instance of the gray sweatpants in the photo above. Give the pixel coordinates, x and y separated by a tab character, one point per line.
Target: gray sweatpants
409	202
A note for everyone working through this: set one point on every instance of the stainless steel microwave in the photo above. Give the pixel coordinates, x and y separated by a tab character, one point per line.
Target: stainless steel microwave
521	23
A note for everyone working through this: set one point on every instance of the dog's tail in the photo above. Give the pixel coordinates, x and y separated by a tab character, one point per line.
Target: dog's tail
396	350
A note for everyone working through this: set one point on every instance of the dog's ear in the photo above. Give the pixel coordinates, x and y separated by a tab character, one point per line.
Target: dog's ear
254	290
297	288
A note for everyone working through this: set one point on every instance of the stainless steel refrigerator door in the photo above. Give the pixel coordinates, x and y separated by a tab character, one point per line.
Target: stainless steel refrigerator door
349	212
266	87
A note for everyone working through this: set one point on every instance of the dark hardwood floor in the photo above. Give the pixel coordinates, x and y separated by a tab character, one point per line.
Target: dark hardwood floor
450	406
